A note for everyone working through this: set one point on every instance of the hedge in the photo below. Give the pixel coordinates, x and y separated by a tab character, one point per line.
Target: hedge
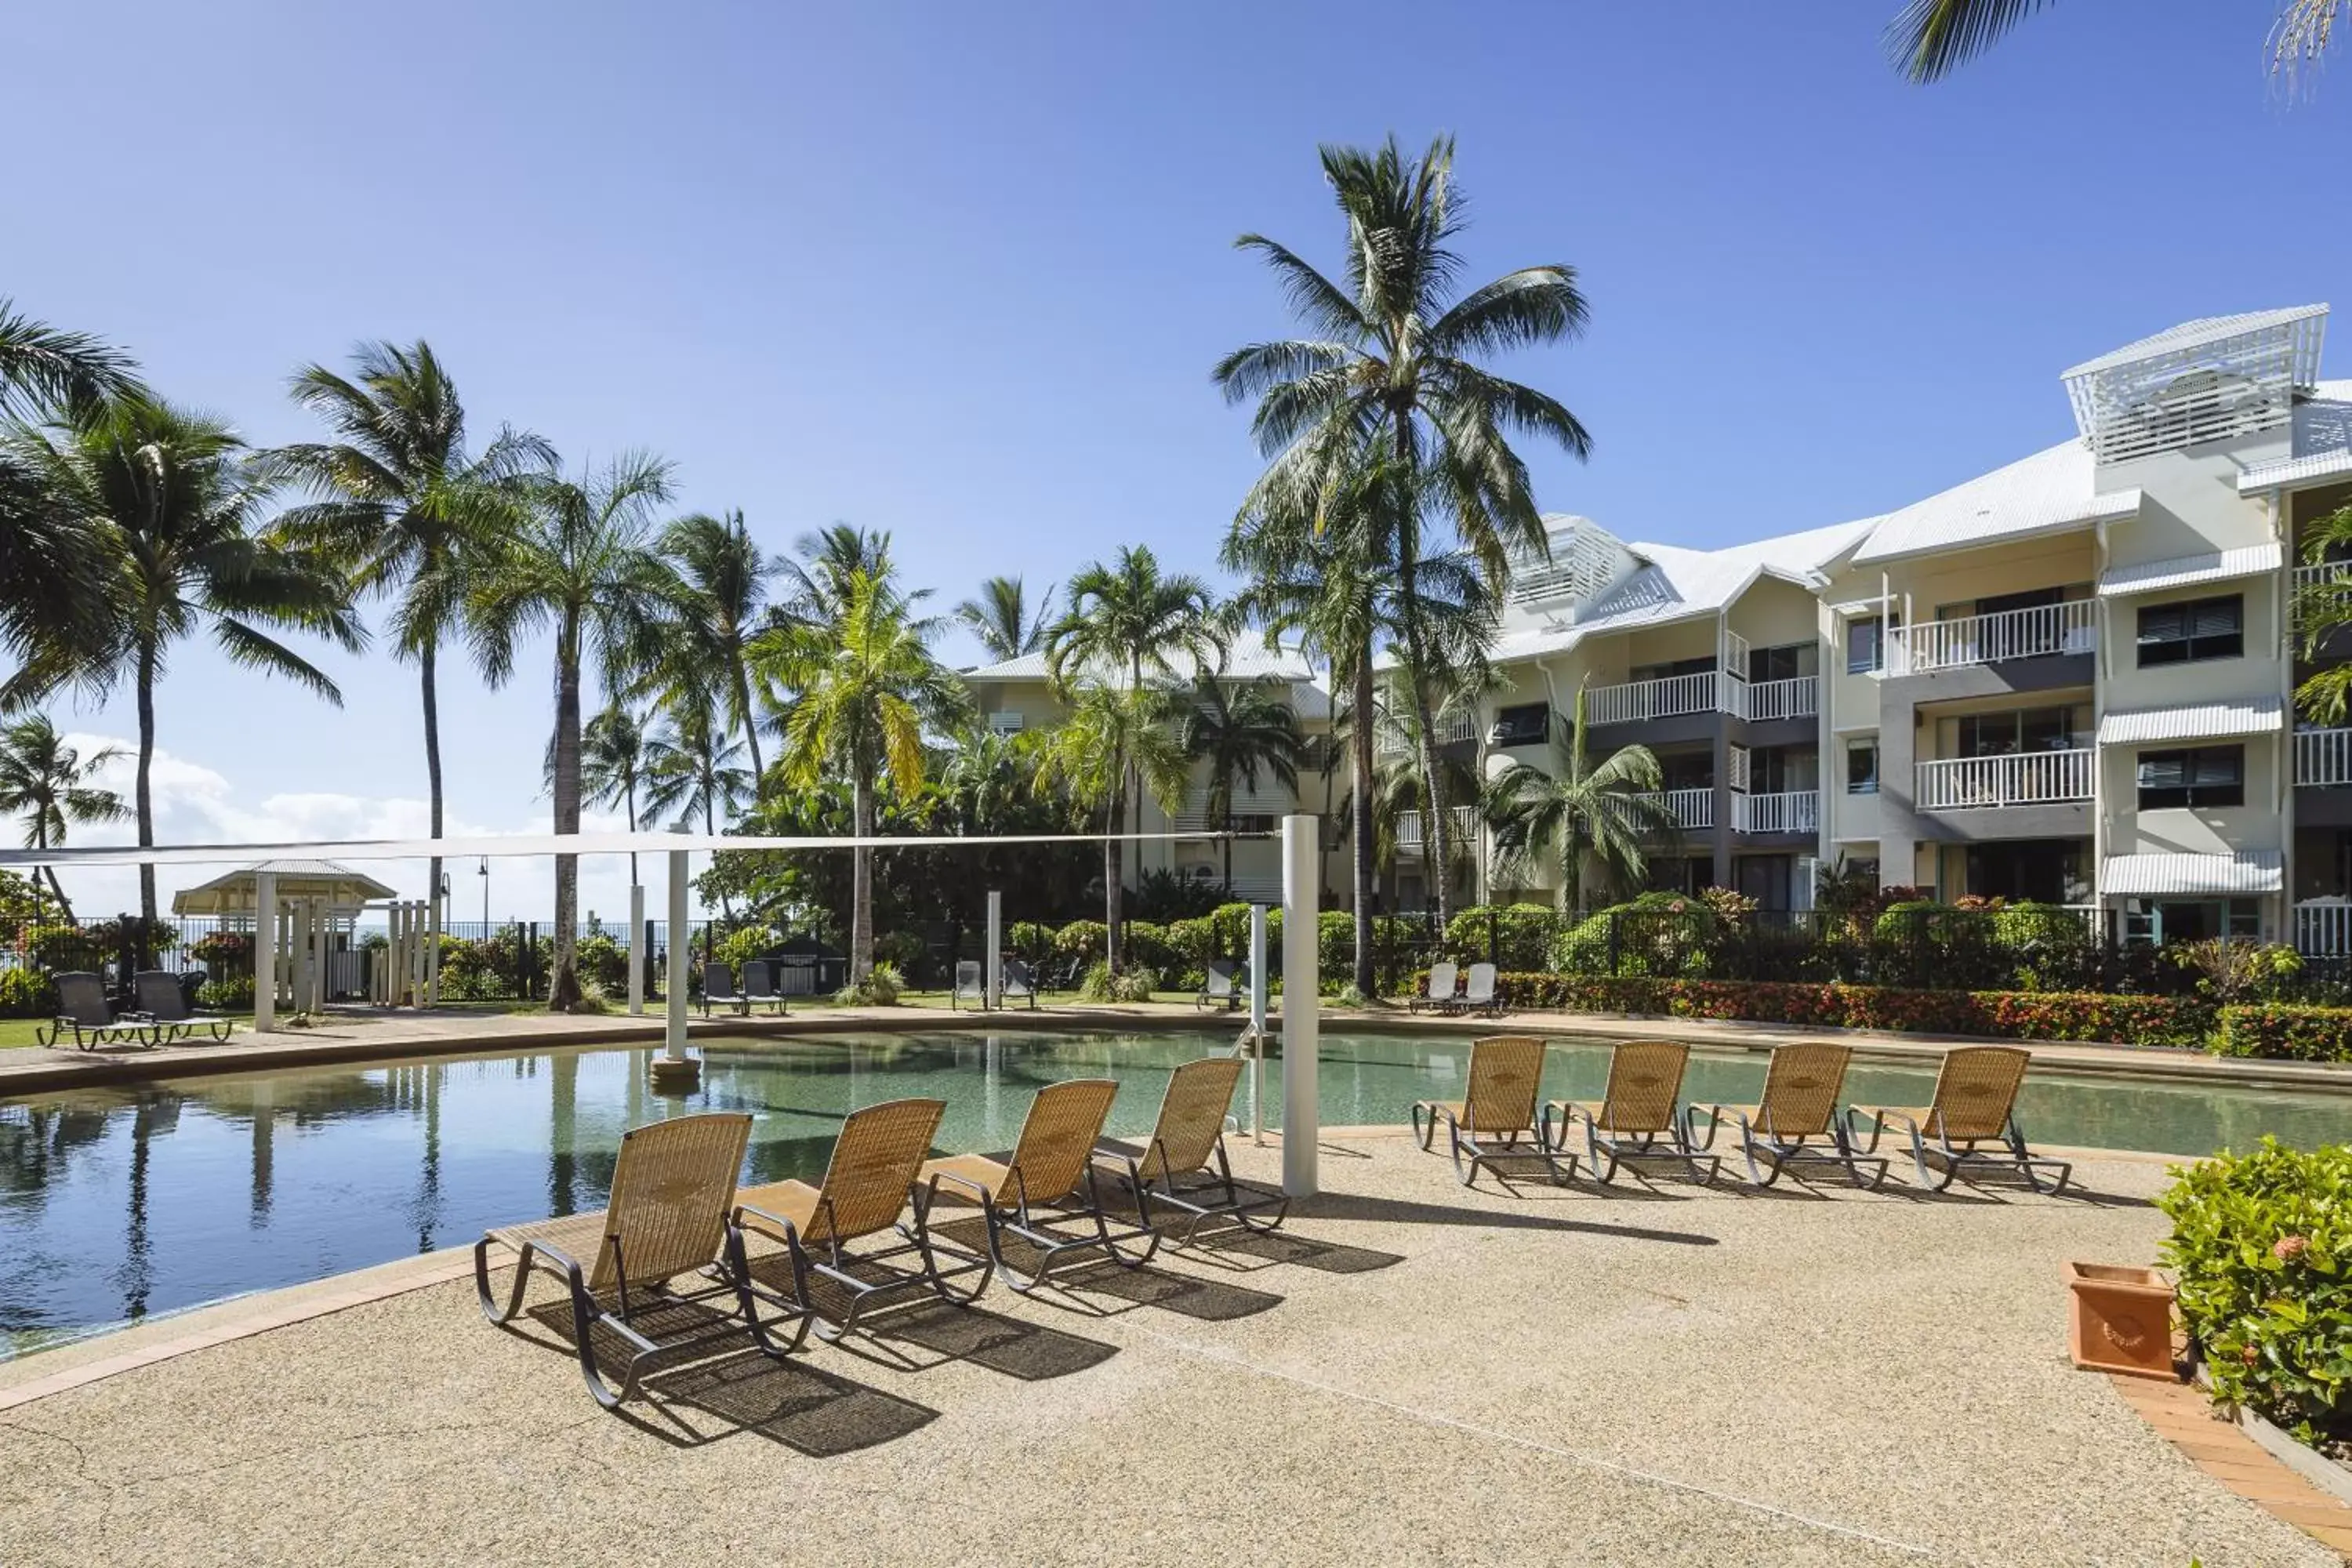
2181	1021
2287	1034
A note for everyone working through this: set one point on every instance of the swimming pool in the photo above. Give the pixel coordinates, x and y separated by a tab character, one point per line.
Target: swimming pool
119	1203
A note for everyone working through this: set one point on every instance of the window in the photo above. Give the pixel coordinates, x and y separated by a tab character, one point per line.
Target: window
1861	767
1704	665
2204	776
1526	725
2015	729
1786	662
1865	642
2193	629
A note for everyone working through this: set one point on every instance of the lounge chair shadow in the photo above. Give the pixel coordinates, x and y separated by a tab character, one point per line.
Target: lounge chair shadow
1030	1352
1073	1283
1271	1249
1407	1211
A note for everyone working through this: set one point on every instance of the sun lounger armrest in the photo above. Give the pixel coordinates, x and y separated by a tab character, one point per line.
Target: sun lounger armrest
774	1226
978	1190
1879	1117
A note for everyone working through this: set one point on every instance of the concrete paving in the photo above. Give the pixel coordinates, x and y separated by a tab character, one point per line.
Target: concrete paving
1413	1373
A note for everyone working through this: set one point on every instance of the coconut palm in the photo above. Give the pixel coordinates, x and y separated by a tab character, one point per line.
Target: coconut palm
179	509
814	579
1929	40
1603	813
49	785
1116	743
1394	360
693	768
1240	730
864	688
726	579
1128	621
581	564
613	767
999	616
402	504
2322	609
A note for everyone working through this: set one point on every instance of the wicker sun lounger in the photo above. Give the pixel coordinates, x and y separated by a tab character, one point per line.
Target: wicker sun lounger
671	1189
1975	1105
83	1013
161	997
1795	1121
1048	1181
1222	984
1439	996
1638	1116
1495	1118
866	1185
1183	1168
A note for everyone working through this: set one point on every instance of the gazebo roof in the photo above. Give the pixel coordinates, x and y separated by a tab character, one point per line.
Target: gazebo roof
342	887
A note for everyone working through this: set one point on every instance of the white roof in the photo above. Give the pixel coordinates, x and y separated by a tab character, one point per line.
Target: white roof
2053	491
1247	659
2139	876
238	891
2200	333
2182	571
2204	720
2322	448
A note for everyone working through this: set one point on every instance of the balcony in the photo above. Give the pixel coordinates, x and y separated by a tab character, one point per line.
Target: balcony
1789	811
1691	807
1992	639
1708	692
2022	778
2323	757
2323	928
1451	728
1798	697
1411	830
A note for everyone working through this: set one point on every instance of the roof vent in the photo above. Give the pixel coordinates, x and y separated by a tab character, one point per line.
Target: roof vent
2206	380
1586	561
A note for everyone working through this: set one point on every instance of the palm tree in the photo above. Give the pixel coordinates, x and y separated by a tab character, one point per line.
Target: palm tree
1000	617
47	372
1240	730
1115	743
865	686
1603	813
403	506
179	508
815	576
695	769
1127	620
580	564
1394	360
2322	609
48	784
1929	40
726	579
613	767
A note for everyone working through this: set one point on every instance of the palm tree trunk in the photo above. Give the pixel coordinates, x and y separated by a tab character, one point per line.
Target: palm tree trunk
65	906
1114	863
750	732
424	662
1359	786
145	793
563	985
861	871
1436	843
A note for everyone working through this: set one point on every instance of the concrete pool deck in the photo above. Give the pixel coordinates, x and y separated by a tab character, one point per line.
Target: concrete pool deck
1413	1372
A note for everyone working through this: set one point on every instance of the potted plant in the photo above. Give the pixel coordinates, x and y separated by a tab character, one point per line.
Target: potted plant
2122	1318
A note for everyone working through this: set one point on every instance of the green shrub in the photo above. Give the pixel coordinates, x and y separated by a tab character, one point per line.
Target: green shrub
2236	972
26	993
1146	944
230	995
600	962
1029	938
1523	934
2261	1244
2287	1034
1335	942
741	945
1081	939
1135	983
881	988
1656	933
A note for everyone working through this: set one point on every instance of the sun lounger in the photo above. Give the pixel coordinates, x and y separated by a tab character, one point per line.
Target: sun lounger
1182	1167
718	989
1495	1117
1478	993
671	1190
1018	984
760	987
866	1186
1975	1106
1048	1180
969	984
1439	997
1638	1116
1220	984
161	997
1796	1121
83	1013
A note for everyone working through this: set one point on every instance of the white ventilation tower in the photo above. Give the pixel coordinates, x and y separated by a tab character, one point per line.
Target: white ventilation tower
2206	380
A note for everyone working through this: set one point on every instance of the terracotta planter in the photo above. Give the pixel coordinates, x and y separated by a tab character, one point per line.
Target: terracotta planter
2123	1320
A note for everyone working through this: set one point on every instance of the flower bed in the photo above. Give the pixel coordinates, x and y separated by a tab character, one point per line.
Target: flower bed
2287	1034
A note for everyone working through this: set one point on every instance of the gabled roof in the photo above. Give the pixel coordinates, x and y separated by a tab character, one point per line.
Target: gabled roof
2202	333
2053	491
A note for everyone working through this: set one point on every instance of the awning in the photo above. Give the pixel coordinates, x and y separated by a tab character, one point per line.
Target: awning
2144	875
2199	722
2184	571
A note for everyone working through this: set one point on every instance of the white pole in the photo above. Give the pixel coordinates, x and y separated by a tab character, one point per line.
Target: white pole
416	971
433	949
1260	984
636	952
1301	1111
265	952
674	1034
322	922
994	995
300	963
392	913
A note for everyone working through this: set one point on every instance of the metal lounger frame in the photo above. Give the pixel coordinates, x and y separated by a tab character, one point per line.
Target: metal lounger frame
1219	1196
2012	1155
1768	1154
1026	1223
833	1267
1471	1151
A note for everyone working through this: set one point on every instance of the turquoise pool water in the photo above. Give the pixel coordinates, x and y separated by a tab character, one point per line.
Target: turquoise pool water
119	1203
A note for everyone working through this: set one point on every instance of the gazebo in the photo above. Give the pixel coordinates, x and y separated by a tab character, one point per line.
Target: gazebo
234	897
312	909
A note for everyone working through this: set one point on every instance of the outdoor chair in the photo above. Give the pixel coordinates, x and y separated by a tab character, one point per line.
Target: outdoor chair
969	985
1222	984
1795	1121
1638	1116
718	989
1975	1106
1439	997
82	1011
1182	1165
1478	993
1018	984
161	997
1047	1180
671	1191
1495	1117
762	988
866	1185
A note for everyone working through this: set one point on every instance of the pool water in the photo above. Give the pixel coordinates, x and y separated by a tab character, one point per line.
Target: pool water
119	1203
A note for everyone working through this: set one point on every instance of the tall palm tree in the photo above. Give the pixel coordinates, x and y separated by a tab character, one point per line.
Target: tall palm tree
2322	609
613	767
999	616
865	686
179	508
1118	742
1602	812
1240	730
581	564
49	784
693	768
726	579
1395	360
1929	40
402	505
816	577
1128	621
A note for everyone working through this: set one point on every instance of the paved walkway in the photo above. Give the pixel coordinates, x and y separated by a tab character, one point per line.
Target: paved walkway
1415	1374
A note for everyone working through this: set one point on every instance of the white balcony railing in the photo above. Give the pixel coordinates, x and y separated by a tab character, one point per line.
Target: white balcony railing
1460	725
1412	831
1692	807
2316	575
2323	928
1788	811
2323	757
1638	700
1798	697
1992	639
2022	778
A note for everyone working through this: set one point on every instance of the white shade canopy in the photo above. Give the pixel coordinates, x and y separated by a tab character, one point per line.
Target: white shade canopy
342	889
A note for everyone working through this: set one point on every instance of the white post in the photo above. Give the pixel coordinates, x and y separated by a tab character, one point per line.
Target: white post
322	922
414	953
1261	982
265	952
299	962
391	954
636	952
994	995
674	1034
1301	1000
433	949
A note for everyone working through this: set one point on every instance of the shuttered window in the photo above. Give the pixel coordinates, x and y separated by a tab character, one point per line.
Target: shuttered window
2203	776
2193	629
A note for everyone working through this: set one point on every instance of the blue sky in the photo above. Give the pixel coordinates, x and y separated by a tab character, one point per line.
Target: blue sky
960	272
